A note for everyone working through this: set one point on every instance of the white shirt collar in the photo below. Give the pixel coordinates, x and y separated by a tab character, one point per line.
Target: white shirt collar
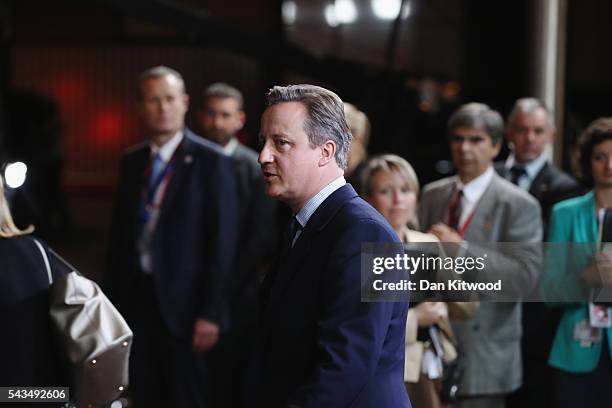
167	150
473	190
230	147
532	167
311	206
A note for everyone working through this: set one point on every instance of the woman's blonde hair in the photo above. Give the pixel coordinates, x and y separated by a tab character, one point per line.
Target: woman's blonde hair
392	164
8	228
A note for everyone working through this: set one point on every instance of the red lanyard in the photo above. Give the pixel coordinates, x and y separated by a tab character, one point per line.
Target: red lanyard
466	224
164	177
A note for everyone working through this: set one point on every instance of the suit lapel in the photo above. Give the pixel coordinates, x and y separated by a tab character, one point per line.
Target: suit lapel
296	256
484	212
541	183
183	160
445	197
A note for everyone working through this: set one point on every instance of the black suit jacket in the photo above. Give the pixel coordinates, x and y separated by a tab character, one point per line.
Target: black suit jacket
550	186
194	241
323	346
30	351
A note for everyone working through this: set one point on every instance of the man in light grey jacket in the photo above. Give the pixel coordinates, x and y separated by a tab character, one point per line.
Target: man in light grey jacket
474	209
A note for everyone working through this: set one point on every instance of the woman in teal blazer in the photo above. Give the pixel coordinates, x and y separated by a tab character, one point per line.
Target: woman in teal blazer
584	369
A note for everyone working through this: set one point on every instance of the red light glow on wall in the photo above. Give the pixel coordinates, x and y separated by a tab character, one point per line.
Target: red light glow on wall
108	127
69	91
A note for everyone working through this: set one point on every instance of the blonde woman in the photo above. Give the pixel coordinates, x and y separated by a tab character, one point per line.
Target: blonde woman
390	184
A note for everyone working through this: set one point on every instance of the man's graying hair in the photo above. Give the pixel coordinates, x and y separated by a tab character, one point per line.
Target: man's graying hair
478	116
223	90
325	116
530	105
160	71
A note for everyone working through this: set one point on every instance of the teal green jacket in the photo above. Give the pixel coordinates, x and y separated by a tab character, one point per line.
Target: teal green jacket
572	221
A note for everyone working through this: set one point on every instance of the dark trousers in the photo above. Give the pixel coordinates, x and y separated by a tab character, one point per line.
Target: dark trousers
164	371
539	328
586	389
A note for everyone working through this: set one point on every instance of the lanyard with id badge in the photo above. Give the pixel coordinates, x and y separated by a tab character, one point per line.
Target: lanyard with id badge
600	309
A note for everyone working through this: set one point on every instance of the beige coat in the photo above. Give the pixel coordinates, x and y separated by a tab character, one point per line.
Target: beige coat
414	348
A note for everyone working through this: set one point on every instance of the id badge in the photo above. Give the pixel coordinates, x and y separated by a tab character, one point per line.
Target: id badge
586	334
599	316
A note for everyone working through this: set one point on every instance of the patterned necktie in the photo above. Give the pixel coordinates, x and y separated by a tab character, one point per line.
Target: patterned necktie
454	210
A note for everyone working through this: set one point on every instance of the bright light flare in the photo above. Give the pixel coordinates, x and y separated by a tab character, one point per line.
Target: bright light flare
15	174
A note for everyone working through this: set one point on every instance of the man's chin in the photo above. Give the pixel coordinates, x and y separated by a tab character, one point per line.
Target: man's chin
272	190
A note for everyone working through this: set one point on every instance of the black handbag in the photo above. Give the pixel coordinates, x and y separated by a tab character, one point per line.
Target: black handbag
451	379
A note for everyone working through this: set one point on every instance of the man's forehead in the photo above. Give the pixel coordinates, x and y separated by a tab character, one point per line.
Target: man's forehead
468	133
537	115
227	101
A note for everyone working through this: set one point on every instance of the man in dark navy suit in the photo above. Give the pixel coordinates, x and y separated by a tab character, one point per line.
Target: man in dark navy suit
531	128
172	244
322	346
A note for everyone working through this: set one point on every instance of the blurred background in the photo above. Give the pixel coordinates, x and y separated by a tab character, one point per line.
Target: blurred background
69	71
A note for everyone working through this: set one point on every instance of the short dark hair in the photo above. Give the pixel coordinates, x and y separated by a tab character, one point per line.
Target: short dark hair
598	131
478	116
325	118
159	72
223	90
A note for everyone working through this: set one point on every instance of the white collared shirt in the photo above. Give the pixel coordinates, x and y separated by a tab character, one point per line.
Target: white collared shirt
230	147
144	242
311	205
532	168
167	150
472	192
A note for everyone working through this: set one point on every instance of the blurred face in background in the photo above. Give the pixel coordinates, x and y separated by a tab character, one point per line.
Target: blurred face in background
163	105
528	134
601	164
473	152
221	119
392	195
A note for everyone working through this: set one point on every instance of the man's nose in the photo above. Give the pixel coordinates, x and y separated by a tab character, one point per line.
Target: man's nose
264	155
465	145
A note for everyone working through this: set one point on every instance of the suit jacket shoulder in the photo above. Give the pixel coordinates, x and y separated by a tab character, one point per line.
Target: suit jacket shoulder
437	185
510	192
245	153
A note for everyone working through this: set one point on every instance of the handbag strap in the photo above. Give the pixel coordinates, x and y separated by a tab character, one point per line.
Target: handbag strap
45	259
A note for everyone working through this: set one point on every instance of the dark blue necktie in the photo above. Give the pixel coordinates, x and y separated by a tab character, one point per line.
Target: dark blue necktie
156	168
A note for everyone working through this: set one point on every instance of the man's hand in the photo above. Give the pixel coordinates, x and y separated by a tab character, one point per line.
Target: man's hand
445	233
429	313
205	335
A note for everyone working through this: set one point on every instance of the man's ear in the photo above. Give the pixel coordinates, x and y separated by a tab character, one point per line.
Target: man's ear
328	152
242	119
553	135
497	148
508	138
